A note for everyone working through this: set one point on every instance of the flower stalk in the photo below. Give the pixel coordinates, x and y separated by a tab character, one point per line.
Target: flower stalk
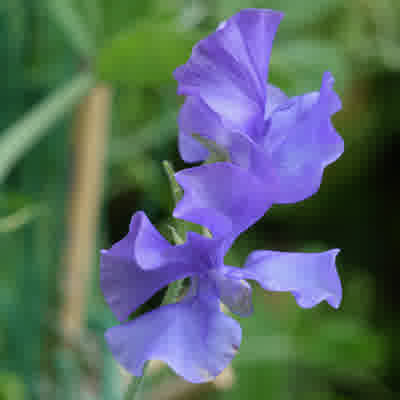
135	386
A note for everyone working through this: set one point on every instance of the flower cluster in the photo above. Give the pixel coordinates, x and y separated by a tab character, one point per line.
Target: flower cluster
277	148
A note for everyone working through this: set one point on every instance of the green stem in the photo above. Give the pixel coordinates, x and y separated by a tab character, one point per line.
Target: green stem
173	292
135	386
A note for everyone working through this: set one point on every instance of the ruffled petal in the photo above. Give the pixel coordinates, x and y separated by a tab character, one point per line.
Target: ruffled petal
310	277
196	117
190	149
143	243
193	337
301	141
228	69
222	197
126	286
127	283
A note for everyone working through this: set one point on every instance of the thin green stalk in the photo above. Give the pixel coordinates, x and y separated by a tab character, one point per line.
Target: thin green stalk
174	289
135	386
173	293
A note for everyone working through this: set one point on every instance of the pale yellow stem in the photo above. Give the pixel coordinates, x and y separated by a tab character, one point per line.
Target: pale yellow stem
90	137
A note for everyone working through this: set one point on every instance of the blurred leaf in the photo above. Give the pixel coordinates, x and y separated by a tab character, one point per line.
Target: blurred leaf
14	15
22	135
145	55
52	57
11	387
343	344
297	13
10	202
13	34
74	28
119	15
303	62
20	218
91	12
155	133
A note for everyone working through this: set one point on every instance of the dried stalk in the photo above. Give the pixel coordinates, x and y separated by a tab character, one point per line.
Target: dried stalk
90	137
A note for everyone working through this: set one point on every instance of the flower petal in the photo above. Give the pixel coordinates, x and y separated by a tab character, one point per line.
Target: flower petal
228	69
127	283
275	98
207	252
301	141
311	277
196	117
143	243
126	286
193	337
222	197
236	294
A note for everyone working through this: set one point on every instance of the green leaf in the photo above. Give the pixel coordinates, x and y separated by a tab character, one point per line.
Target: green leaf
299	14
20	218
11	386
66	17
303	62
25	133
145	55
119	15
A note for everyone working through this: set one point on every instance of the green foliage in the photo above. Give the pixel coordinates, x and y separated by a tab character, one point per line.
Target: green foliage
145	55
11	387
70	22
51	52
305	60
18	138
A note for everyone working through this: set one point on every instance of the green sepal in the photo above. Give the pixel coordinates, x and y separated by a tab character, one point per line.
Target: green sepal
176	190
177	239
217	153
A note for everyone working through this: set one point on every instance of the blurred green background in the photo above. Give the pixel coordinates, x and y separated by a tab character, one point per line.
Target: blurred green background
88	112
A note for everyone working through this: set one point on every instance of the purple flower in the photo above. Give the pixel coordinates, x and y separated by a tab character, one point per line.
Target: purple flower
193	335
284	142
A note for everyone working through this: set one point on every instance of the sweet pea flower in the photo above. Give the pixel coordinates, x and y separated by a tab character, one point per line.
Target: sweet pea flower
194	336
284	142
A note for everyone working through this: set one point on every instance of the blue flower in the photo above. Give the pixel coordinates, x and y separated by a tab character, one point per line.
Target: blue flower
193	336
285	142
278	148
